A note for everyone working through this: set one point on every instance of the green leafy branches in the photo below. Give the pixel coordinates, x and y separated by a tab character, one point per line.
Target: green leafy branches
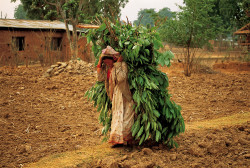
157	117
101	100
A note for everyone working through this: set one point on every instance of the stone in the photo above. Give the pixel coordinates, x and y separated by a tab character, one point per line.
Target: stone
59	63
46	75
243	141
60	70
213	150
135	154
147	151
28	148
173	157
63	107
196	151
203	145
247	156
49	70
25	149
63	65
146	164
124	157
72	67
69	67
56	73
53	66
77	147
99	162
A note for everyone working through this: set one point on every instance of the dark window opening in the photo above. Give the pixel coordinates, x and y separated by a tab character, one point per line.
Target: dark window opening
18	43
56	43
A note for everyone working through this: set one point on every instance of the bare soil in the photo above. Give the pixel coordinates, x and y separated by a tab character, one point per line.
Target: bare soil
47	122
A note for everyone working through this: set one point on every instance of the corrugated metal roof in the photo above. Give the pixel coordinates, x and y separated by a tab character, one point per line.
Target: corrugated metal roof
33	24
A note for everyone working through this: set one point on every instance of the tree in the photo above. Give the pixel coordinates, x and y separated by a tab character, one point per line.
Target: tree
165	12
145	17
149	17
71	12
39	9
20	12
233	13
191	29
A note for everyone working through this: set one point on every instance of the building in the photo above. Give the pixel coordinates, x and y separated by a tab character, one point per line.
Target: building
244	35
34	41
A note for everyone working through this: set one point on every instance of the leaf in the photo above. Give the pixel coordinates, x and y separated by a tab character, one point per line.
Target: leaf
120	43
157	114
146	42
106	31
158	136
142	139
177	128
127	42
140	79
153	85
176	144
99	108
167	62
102	27
136	48
159	126
88	39
140	131
136	128
144	95
161	102
157	44
170	135
164	130
144	117
148	126
169	103
147	135
155	126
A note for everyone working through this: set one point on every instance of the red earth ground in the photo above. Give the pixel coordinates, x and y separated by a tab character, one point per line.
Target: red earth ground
47	122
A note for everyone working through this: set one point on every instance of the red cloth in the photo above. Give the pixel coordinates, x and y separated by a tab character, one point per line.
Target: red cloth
99	66
108	74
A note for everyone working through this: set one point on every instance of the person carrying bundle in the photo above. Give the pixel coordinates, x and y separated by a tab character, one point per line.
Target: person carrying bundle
114	72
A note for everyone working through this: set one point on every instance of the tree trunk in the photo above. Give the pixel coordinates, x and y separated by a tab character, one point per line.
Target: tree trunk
74	48
187	64
74	21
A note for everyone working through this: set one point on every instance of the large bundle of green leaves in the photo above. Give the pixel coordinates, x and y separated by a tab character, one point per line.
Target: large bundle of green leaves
157	116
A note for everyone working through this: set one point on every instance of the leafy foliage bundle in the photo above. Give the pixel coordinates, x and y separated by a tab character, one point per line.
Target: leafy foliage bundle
157	116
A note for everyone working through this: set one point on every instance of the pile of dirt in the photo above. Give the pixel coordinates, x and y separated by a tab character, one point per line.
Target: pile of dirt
233	66
204	69
197	68
72	67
